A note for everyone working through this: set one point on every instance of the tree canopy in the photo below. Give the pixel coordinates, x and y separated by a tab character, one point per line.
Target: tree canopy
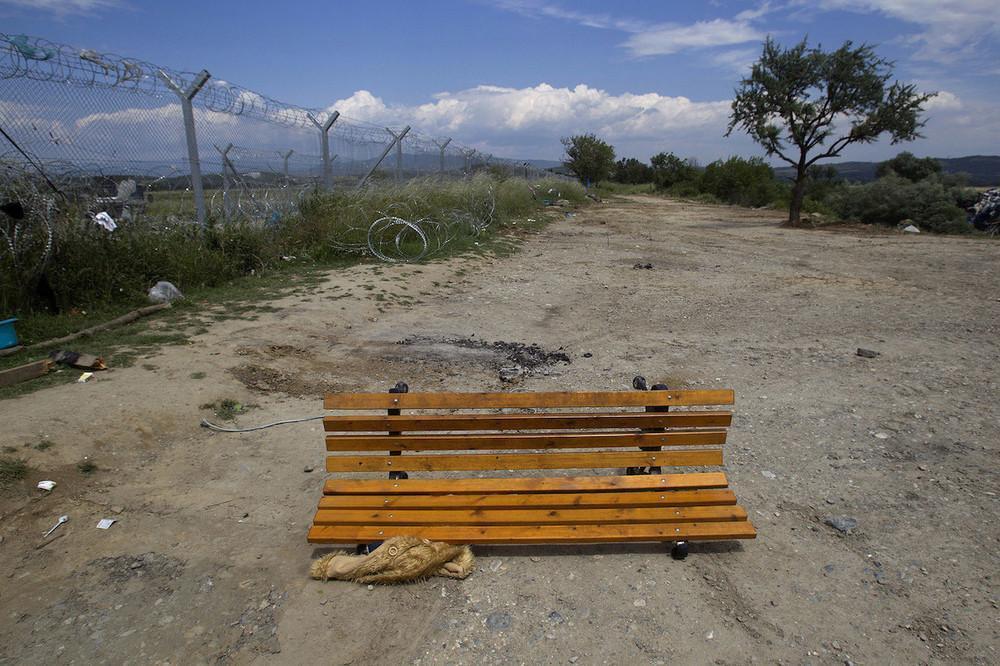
589	158
803	105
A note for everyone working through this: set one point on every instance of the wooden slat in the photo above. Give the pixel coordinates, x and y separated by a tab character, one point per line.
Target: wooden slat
596	500
566	516
526	441
506	461
544	421
523	400
557	484
533	534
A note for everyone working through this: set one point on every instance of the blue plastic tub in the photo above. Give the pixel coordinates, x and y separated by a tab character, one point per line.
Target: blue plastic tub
8	336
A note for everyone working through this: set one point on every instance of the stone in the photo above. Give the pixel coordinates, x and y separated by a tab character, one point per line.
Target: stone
556	617
843	524
510	374
498	621
117	509
769	475
866	353
308	468
639	603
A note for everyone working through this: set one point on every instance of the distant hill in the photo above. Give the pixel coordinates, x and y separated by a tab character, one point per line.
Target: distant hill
981	169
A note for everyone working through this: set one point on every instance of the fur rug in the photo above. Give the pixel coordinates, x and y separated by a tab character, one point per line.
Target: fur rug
400	559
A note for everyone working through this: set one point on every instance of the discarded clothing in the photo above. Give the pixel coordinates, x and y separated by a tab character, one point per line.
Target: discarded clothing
400	559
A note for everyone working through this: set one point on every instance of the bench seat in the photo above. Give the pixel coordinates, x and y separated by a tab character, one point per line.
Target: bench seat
587	509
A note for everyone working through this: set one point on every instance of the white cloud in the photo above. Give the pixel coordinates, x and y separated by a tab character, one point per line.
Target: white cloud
951	28
494	113
943	101
63	6
670	38
652	39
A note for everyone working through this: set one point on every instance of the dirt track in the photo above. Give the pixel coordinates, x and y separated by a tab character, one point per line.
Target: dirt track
208	558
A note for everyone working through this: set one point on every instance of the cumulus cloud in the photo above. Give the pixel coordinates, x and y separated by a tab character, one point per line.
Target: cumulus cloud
943	101
504	113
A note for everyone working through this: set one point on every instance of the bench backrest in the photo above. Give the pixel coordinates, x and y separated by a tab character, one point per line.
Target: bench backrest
563	430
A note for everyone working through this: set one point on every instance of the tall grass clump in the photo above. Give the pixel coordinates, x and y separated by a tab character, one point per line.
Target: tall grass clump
89	266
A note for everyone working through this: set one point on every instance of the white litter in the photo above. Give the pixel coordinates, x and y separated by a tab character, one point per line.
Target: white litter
46	485
105	221
82	379
105	523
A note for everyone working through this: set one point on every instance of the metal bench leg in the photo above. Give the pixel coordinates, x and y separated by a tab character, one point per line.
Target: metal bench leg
400	387
639	384
366	548
680	550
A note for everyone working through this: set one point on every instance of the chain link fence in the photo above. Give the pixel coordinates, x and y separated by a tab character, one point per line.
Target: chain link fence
113	129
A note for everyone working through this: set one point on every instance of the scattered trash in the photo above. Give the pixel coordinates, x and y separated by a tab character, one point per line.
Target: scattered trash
843	524
397	560
105	221
570	215
82	379
62	519
164	292
8	336
105	523
495	565
881	435
78	360
910	229
510	374
985	213
46	485
769	475
647	267
867	353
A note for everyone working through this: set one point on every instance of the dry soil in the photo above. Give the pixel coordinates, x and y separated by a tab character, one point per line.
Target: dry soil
207	561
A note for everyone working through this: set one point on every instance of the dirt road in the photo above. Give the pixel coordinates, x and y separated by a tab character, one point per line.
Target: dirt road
208	558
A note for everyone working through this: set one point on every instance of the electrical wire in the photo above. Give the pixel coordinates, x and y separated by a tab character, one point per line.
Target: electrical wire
205	423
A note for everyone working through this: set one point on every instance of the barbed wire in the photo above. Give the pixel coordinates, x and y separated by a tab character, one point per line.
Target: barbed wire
94	133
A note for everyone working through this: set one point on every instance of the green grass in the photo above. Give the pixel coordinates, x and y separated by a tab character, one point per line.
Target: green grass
198	375
11	470
232	272
228	409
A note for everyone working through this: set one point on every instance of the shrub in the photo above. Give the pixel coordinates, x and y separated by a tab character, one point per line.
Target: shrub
670	170
892	199
745	182
908	166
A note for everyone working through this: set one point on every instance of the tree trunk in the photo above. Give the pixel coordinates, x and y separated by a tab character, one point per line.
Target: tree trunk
798	193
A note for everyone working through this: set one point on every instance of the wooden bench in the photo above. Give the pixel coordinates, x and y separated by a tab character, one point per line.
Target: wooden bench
642	431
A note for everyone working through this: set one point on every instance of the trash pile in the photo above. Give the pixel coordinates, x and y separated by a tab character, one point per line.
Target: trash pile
985	213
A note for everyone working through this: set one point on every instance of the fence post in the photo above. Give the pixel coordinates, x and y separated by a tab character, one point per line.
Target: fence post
226	166
324	137
395	140
441	147
285	158
186	95
398	140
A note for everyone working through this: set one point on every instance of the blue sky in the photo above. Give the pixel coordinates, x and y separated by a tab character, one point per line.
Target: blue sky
512	76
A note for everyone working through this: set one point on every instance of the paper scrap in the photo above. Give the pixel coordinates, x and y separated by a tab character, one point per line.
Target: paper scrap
105	523
46	485
84	377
